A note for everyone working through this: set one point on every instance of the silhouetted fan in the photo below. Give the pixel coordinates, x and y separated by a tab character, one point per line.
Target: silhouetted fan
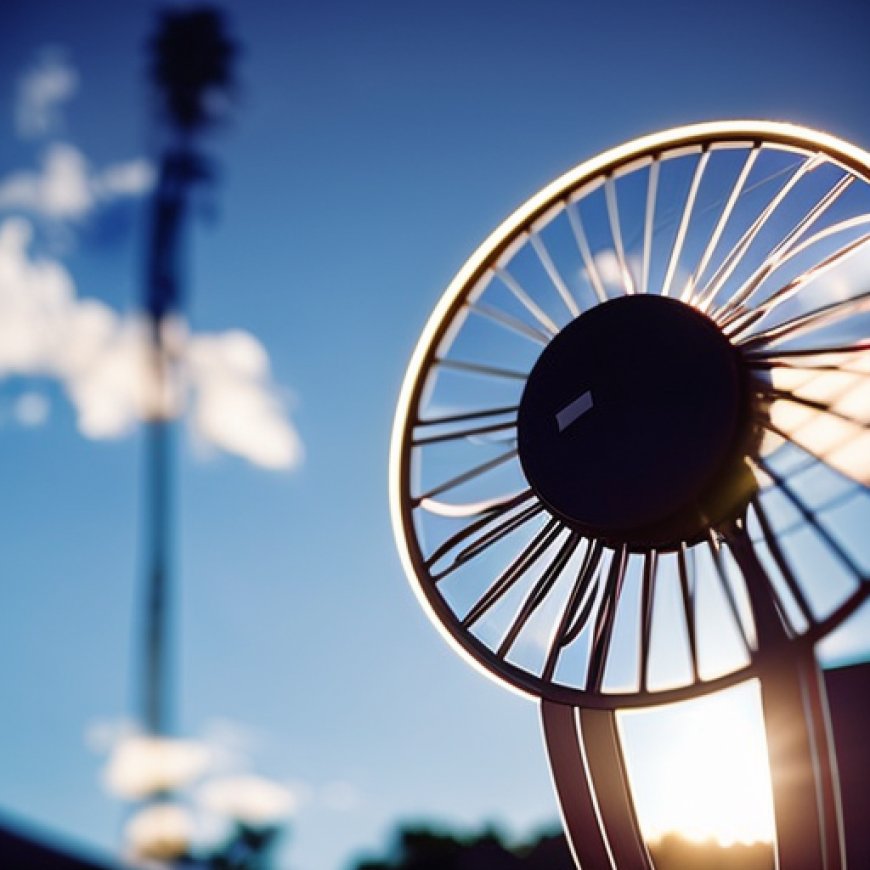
630	462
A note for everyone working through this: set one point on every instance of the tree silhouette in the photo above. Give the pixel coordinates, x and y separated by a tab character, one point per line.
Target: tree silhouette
421	848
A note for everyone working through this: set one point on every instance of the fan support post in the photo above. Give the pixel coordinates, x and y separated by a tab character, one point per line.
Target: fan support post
591	781
809	826
803	768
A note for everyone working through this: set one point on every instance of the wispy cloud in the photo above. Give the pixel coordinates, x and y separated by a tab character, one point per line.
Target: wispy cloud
101	359
65	187
141	765
210	780
232	408
252	800
31	409
197	791
42	90
158	833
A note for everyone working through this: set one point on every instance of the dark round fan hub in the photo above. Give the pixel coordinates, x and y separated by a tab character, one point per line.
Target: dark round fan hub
634	423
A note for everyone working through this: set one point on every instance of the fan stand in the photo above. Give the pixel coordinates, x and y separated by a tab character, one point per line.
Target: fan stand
591	780
806	803
592	784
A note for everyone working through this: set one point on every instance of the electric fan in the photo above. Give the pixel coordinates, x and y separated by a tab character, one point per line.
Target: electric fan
630	461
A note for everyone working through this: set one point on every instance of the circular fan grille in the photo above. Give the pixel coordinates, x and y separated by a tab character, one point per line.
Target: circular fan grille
762	231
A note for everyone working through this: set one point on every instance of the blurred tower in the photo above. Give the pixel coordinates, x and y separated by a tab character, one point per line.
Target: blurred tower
191	58
191	70
190	67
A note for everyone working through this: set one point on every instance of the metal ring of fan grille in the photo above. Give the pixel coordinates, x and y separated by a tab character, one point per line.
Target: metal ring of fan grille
764	230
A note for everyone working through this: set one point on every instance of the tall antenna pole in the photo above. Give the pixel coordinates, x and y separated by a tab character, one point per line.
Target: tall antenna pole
190	65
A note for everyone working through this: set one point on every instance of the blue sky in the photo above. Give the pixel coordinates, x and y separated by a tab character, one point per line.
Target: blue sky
373	147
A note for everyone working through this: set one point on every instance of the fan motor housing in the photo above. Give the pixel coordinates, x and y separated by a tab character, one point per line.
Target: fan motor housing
635	424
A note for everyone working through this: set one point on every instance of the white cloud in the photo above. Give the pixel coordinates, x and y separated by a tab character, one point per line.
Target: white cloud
227	411
249	799
31	409
160	832
131	178
42	90
66	188
142	766
102	360
212	775
609	270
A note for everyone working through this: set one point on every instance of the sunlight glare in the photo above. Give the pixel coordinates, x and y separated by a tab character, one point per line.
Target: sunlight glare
700	769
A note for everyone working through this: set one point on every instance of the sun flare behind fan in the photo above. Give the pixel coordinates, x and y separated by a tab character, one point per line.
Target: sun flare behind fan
699	769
